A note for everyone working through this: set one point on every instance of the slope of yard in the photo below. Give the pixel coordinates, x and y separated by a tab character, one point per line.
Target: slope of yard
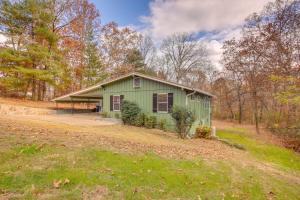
55	172
279	156
47	158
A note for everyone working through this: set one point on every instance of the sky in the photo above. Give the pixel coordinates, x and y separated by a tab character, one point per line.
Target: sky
214	21
124	12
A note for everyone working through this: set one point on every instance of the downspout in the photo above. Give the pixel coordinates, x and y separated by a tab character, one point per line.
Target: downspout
191	131
186	98
209	110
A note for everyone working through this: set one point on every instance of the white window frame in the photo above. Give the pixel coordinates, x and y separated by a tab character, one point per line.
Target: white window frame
113	102
162	102
133	81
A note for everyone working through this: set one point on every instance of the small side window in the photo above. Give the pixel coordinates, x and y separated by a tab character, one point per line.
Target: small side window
137	82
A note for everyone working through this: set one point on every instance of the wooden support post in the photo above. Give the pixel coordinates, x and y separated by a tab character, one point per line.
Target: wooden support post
56	105
72	106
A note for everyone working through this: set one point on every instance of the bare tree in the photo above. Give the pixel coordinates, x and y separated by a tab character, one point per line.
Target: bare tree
265	61
232	63
148	51
182	53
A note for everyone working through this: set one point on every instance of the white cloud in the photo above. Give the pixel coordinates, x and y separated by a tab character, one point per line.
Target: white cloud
214	52
169	16
214	43
218	19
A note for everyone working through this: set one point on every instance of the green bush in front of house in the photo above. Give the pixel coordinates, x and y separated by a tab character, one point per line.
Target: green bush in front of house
150	122
140	119
129	112
184	119
162	124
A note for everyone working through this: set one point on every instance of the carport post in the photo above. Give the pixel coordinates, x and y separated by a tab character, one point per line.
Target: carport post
72	106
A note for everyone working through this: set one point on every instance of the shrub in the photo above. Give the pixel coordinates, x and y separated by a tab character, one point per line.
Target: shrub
104	114
162	124
203	132
183	119
129	111
150	122
140	119
117	115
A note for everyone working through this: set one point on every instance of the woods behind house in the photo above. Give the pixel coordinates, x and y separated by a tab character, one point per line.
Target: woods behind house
261	78
53	47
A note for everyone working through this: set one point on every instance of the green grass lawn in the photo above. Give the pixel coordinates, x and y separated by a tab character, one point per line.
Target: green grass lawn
27	171
279	156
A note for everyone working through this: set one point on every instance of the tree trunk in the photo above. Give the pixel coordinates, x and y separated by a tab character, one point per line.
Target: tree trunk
26	89
240	107
256	118
261	112
44	88
240	111
39	90
33	89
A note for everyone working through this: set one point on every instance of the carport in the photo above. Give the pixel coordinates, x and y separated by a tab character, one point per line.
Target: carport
88	96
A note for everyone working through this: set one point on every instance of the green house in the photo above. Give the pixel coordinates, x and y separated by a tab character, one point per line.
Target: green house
155	97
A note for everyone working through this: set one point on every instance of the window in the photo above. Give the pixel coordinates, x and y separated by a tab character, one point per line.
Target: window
137	82
162	102
116	103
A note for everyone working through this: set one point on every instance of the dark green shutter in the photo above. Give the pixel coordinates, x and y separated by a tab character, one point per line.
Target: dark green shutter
154	104
170	102
111	102
121	100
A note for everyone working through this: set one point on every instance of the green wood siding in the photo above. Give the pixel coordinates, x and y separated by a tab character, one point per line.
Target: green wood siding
200	105
143	97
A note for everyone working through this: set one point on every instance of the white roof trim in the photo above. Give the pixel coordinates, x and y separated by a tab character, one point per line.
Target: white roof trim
128	75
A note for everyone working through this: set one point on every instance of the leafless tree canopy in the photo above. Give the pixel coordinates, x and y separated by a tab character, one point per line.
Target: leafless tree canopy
181	55
262	70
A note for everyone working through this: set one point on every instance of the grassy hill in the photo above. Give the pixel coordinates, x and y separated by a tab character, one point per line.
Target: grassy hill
45	159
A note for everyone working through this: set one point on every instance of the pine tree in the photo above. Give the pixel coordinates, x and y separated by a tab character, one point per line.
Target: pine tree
135	61
94	71
31	58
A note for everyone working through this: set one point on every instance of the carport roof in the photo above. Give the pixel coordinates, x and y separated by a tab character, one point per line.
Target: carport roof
79	97
80	94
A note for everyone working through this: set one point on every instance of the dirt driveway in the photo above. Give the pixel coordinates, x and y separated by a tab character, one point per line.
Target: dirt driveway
81	119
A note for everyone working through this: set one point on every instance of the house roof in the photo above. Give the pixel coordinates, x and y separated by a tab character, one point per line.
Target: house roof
78	93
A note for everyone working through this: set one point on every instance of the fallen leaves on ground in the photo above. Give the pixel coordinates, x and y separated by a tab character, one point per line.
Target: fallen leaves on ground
58	183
